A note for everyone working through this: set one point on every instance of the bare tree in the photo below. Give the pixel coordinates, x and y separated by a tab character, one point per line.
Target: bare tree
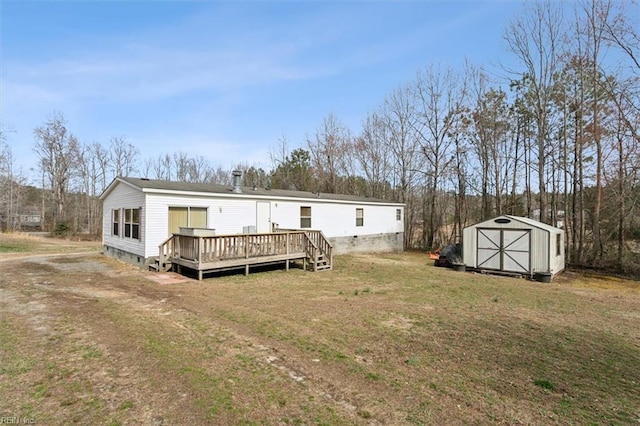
93	169
279	157
398	116
621	30
495	150
12	183
162	167
124	157
535	39
330	154
439	108
182	166
101	163
57	151
372	151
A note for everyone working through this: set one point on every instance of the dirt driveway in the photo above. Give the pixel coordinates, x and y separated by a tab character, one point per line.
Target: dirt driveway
86	339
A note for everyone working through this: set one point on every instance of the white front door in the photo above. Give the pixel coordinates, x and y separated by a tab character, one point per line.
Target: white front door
263	216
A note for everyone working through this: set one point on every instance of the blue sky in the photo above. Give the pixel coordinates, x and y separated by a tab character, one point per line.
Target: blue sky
224	80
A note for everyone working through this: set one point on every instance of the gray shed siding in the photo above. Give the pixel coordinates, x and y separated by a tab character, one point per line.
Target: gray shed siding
542	254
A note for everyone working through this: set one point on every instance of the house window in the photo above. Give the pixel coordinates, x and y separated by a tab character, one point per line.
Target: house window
558	244
359	217
132	223
398	214
115	222
187	217
305	217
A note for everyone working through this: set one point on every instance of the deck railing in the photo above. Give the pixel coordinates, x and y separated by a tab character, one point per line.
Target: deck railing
229	247
166	251
325	248
205	251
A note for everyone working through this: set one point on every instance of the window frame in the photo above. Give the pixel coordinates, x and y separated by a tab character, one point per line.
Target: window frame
132	223
359	216
305	219
398	214
115	222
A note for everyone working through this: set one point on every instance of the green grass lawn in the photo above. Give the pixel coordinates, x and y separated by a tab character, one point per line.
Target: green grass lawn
381	339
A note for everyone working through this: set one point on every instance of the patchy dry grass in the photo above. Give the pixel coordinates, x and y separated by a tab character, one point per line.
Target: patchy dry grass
380	339
17	244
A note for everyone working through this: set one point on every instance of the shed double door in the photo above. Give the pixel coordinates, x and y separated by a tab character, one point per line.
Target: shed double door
506	250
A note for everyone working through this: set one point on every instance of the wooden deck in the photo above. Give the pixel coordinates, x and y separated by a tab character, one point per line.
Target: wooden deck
223	252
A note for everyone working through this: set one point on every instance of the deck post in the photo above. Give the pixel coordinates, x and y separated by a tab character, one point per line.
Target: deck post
287	240
246	270
199	274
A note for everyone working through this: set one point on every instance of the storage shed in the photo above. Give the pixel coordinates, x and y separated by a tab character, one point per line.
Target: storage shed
513	244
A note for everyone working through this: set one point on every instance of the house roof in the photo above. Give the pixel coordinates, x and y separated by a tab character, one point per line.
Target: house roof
153	185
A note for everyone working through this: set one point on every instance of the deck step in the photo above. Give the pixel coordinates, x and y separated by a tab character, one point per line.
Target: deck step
157	267
321	263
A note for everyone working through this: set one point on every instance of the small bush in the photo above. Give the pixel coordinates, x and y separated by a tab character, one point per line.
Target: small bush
61	230
545	384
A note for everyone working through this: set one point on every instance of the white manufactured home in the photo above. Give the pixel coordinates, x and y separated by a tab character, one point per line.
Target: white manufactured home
140	214
513	244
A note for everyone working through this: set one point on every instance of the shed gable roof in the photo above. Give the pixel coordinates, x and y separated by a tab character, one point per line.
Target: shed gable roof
153	185
528	221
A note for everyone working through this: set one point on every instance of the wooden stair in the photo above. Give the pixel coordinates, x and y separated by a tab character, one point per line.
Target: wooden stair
156	266
319	252
320	263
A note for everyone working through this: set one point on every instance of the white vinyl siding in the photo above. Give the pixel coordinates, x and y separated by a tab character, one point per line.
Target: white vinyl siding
230	213
336	219
124	197
225	215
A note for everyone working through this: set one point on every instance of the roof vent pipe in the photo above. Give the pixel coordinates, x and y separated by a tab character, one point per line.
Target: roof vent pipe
237	176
